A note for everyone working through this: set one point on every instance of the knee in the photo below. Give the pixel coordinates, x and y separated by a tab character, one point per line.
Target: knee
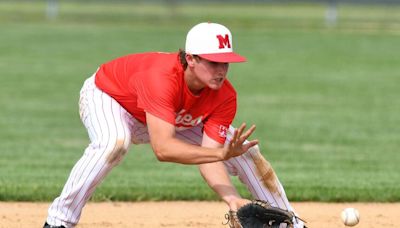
117	151
254	149
252	153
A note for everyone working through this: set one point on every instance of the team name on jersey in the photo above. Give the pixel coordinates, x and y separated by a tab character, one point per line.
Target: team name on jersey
186	119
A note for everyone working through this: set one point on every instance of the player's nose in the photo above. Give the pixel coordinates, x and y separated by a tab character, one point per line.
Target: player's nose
222	68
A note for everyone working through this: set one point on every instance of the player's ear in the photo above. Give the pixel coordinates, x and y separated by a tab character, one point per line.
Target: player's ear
190	59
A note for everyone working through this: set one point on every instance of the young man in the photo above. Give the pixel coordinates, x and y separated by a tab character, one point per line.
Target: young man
180	103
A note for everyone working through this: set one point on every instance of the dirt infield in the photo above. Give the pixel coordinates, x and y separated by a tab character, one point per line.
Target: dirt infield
191	214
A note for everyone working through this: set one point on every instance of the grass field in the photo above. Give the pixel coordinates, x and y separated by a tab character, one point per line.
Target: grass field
325	99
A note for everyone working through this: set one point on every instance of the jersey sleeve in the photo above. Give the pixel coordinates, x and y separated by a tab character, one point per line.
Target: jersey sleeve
156	93
217	125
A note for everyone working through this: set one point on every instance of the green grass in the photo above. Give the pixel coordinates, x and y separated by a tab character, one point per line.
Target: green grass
325	99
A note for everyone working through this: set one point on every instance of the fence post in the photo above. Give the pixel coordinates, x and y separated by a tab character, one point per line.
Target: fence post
331	15
52	9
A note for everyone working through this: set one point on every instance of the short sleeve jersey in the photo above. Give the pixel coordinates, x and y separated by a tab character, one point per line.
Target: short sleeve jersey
154	83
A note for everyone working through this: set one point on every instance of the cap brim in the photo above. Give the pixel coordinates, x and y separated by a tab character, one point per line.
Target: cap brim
228	57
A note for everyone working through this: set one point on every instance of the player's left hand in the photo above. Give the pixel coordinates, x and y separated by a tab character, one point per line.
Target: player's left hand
260	213
236	203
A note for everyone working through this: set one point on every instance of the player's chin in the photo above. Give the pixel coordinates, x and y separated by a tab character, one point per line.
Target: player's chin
214	86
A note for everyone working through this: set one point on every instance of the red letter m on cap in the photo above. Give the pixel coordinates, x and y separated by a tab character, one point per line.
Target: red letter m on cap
224	41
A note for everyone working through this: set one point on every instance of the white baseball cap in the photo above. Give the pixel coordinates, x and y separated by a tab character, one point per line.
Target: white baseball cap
213	42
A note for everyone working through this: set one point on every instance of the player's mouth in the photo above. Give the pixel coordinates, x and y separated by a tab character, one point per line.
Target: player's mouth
218	80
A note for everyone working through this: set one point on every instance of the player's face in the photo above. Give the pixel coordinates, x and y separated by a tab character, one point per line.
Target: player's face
211	74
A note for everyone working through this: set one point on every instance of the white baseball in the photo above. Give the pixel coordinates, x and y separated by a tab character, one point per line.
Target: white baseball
350	216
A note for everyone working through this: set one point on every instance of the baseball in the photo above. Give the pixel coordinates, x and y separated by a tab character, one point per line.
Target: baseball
350	216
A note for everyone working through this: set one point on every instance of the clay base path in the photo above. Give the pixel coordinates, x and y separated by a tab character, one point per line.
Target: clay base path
191	214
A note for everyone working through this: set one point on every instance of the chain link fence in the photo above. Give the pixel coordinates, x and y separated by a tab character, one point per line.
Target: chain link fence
349	14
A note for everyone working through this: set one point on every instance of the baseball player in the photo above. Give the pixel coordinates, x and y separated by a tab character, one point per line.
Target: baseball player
182	105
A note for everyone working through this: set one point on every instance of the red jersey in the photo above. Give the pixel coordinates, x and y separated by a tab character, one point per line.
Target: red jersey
154	83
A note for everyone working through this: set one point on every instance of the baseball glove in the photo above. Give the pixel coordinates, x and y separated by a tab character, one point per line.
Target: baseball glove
259	214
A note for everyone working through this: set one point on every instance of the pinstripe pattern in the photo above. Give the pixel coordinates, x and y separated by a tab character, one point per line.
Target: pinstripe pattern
244	167
110	135
111	130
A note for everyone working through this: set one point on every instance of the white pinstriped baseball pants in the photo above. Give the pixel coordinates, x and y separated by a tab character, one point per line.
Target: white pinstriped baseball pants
111	131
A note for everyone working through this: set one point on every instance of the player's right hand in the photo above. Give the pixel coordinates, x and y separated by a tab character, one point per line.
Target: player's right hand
236	146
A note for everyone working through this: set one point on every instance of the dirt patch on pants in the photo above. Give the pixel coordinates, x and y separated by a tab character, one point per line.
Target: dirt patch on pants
191	214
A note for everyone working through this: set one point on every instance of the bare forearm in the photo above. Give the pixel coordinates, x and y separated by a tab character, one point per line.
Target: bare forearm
217	178
177	151
168	148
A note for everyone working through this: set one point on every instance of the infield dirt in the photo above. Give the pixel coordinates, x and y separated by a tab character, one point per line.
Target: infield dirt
191	214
